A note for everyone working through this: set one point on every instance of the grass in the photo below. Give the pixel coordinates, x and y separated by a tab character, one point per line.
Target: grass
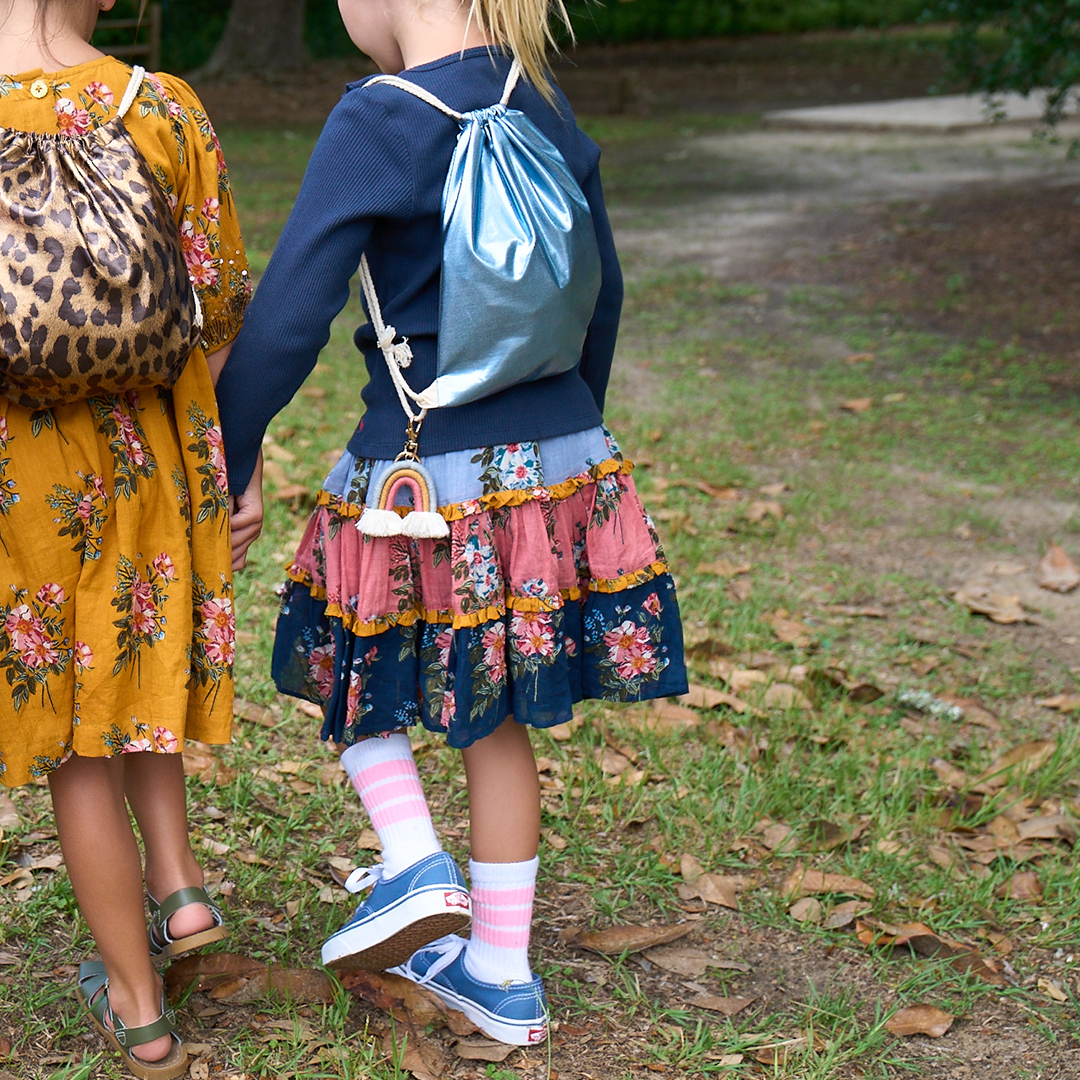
712	386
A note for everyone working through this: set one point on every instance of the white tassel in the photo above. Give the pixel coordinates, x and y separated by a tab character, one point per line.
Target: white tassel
424	525
376	522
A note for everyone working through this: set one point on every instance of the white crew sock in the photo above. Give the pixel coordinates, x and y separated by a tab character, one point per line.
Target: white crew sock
502	902
383	772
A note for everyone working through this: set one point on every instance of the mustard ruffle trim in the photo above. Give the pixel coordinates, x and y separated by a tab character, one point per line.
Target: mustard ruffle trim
371	627
496	499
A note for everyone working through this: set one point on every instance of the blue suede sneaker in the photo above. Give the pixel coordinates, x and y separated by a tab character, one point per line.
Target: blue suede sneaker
513	1012
417	905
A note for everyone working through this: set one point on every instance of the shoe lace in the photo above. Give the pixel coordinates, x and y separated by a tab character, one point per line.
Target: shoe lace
363	876
449	949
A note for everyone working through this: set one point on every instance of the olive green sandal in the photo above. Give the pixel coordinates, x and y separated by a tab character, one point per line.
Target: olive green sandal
162	945
93	992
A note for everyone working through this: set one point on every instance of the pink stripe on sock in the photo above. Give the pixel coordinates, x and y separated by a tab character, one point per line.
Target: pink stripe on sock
504	916
502	939
376	774
395	813
393	787
515	896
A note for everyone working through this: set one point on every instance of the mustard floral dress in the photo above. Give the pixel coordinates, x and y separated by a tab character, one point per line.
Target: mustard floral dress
116	617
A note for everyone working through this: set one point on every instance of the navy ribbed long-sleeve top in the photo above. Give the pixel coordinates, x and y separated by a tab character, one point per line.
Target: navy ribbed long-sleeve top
374	185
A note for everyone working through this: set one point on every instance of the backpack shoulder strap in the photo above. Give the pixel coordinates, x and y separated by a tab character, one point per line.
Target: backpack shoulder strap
438	103
137	76
416	91
511	82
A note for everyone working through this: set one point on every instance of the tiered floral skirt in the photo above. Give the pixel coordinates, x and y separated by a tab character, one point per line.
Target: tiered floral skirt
551	587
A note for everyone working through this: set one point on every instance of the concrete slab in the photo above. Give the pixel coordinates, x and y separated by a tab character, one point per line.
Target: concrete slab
953	112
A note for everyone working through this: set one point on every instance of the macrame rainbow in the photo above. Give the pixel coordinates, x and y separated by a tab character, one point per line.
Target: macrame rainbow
422	521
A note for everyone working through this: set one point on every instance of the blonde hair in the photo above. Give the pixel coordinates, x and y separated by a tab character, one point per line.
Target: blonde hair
523	29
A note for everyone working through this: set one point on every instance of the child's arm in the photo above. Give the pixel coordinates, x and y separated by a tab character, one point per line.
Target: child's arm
359	171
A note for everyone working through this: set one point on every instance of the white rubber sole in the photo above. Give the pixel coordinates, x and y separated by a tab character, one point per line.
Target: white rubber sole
393	935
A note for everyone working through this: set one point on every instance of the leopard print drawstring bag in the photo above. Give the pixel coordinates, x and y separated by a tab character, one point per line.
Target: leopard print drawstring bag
95	296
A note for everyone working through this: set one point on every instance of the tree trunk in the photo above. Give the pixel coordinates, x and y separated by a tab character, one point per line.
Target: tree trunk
261	36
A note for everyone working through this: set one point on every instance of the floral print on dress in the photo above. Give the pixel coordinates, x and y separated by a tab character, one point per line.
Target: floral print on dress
488	658
160	740
476	571
213	640
510	466
9	494
140	596
119	423
33	648
631	653
82	514
70	119
209	448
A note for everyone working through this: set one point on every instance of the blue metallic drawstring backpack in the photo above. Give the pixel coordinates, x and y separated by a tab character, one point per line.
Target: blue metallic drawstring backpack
520	278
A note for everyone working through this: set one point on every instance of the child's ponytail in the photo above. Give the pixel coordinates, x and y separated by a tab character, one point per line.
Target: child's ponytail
523	28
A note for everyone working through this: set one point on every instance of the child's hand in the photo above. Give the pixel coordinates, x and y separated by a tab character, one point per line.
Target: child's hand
246	517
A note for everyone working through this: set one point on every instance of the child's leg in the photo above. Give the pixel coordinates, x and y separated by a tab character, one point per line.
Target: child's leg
504	815
488	977
155	790
103	863
504	795
418	894
384	775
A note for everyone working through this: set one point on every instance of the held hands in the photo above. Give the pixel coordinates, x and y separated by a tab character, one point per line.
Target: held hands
246	517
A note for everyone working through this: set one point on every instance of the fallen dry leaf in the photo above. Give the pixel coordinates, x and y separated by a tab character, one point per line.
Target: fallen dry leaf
855	612
483	1050
857	405
716	889
9	816
802	882
807	910
689	962
619	939
845	914
1052	989
920	1020
785	696
1020	761
1047	827
201	762
997	607
779	837
973	712
923	941
1062	702
416	1054
741	679
760	509
255	714
726	1006
724	568
1023	886
612	762
789	630
1056	571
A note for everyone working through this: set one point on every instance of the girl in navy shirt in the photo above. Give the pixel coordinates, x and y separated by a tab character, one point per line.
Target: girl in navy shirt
551	585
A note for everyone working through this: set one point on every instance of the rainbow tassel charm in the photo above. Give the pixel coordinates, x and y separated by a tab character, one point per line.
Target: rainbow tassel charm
422	522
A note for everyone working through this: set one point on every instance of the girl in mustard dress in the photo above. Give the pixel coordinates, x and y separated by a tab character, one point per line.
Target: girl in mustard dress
116	621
